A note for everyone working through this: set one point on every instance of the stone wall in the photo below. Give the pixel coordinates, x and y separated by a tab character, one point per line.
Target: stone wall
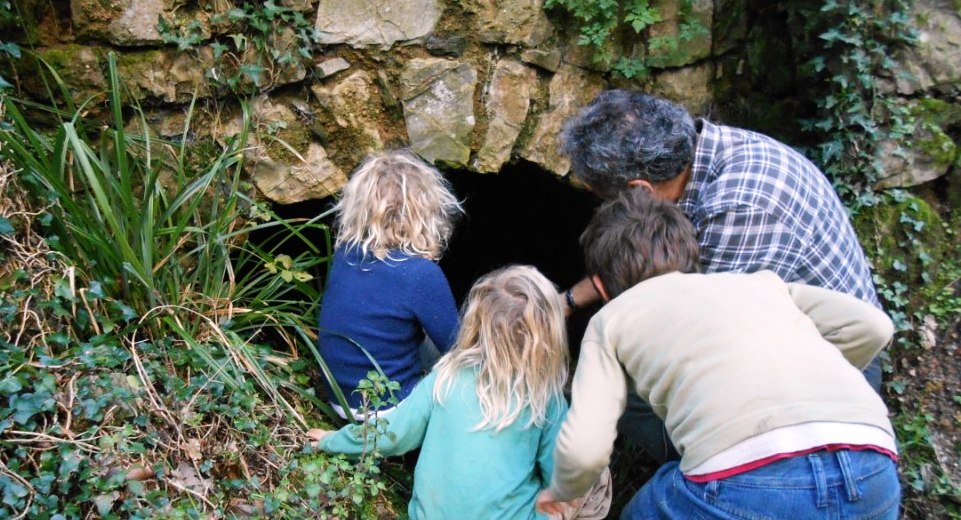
469	85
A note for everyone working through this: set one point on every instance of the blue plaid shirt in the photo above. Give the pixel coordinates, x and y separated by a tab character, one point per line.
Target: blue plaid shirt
758	204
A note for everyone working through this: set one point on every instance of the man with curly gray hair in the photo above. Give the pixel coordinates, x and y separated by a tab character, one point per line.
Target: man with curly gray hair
755	203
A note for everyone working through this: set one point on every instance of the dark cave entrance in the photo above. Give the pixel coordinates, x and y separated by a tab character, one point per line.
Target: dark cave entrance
522	215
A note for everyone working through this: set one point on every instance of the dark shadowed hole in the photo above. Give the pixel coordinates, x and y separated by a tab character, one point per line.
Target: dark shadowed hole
523	215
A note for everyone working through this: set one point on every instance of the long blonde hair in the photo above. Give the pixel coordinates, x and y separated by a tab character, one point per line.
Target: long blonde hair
396	201
513	334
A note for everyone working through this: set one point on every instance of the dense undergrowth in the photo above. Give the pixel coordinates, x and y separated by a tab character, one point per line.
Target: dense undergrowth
155	361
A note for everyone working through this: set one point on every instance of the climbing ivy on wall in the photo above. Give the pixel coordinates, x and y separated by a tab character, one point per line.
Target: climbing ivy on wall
255	41
845	51
600	21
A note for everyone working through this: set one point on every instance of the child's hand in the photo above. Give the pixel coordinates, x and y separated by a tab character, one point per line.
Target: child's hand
547	504
316	435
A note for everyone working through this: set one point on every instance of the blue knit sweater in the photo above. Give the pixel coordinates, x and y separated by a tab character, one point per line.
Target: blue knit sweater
385	307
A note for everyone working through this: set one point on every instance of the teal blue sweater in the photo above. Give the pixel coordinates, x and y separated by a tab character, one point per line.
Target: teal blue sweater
463	473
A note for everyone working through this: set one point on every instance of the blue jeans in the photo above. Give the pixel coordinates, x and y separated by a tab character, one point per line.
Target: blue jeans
837	485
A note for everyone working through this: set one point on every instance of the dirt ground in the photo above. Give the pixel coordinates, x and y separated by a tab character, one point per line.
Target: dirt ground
928	411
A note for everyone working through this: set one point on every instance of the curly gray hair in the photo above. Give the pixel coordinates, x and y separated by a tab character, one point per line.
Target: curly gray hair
625	135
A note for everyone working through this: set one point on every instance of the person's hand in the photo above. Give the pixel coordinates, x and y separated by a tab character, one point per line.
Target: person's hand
584	294
316	435
547	504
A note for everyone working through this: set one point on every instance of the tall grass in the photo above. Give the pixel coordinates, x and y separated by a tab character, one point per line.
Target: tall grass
169	238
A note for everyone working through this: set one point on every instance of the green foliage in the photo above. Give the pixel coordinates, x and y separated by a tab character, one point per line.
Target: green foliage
8	50
845	47
337	486
151	360
600	21
925	473
258	41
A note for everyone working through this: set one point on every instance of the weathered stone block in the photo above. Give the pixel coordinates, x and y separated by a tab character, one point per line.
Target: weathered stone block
351	106
438	99
126	22
935	62
929	154
330	67
166	74
546	59
689	86
681	50
287	173
508	100
520	22
570	89
376	23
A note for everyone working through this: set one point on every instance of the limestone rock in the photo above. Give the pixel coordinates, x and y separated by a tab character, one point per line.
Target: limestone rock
126	22
314	177
935	62
376	23
570	89
546	59
508	101
520	22
137	25
294	171
689	86
166	74
452	45
350	104
330	67
931	152
438	99
80	67
686	51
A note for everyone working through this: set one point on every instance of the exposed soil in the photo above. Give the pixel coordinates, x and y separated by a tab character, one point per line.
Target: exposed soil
931	397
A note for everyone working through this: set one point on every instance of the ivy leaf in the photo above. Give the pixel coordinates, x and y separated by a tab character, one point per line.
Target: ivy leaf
13	491
10	385
240	41
6	228
28	405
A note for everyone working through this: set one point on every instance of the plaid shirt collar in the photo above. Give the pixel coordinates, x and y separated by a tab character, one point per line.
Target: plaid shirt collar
708	139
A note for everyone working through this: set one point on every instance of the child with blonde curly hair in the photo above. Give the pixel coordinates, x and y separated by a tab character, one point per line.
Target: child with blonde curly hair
487	416
386	294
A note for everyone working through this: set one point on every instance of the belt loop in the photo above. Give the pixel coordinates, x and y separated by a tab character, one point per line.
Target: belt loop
850	480
820	483
711	490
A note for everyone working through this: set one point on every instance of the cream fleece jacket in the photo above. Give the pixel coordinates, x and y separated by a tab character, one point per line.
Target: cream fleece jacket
721	358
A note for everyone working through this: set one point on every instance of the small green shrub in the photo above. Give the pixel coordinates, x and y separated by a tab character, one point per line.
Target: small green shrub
152	354
601	21
259	40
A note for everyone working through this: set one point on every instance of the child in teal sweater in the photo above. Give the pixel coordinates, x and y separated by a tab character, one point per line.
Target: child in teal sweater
487	416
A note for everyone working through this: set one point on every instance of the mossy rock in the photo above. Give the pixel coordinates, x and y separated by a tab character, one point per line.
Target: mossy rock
934	116
80	67
906	241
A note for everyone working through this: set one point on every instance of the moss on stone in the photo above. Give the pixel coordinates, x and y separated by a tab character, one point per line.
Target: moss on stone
905	242
294	134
